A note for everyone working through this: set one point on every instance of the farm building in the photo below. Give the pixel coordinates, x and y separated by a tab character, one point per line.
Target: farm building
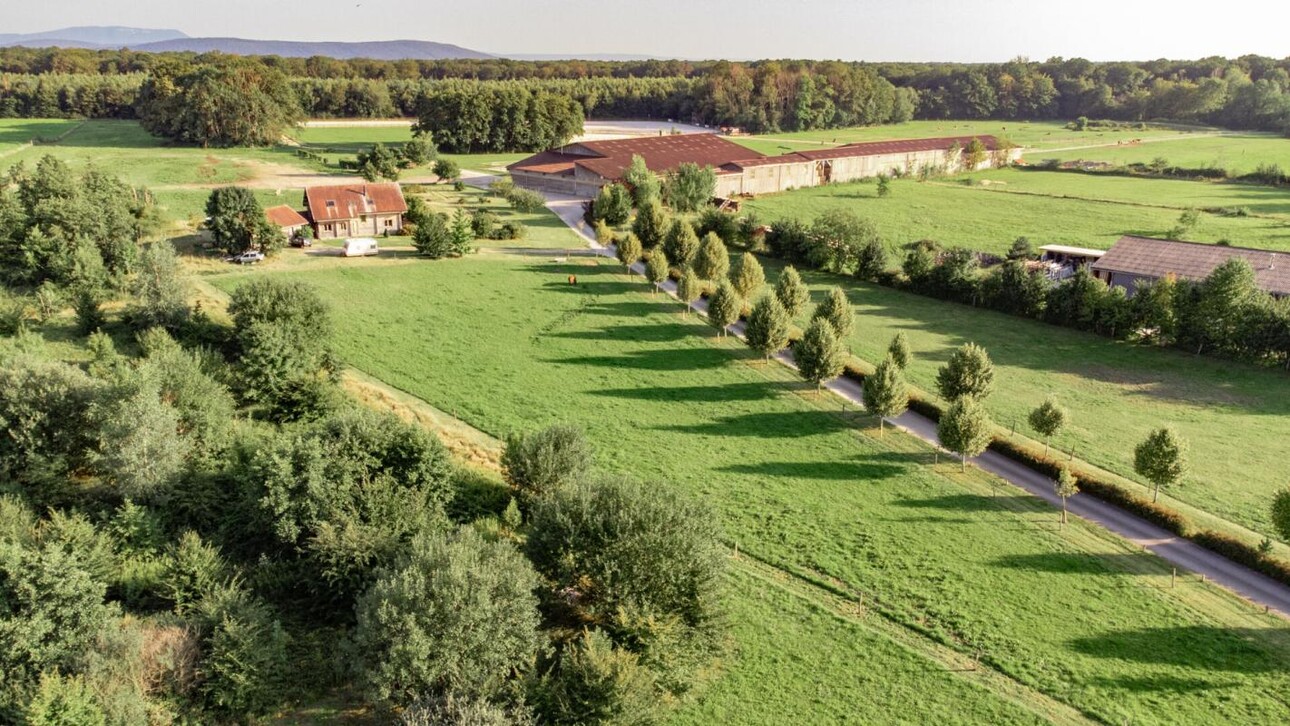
287	219
1061	261
581	169
354	210
1132	261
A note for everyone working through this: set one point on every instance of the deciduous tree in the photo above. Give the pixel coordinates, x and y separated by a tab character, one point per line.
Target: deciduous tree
1161	459
724	306
965	428
749	278
1281	514
681	243
768	326
628	250
886	395
898	350
650	224
791	291
836	309
538	463
1048	419
968	373
657	267
713	261
1067	487
688	288
819	355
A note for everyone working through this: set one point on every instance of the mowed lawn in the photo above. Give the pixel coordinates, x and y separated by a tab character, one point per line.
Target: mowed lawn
1235	416
337	142
982	218
505	344
1029	134
15	132
1239	153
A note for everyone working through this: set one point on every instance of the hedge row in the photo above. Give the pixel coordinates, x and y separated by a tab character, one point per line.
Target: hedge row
1109	492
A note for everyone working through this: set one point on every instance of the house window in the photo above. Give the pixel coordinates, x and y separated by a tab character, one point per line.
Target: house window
362	218
329	228
389	223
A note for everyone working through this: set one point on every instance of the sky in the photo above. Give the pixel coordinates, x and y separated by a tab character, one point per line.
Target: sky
892	30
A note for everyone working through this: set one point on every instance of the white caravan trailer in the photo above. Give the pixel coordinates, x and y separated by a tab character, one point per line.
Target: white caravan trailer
361	246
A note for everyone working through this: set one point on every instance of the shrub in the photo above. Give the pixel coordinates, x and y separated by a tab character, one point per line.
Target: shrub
244	666
593	682
483	223
538	463
526	201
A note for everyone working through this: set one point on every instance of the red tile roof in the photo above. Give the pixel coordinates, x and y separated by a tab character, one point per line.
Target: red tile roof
349	201
609	159
1157	258
285	216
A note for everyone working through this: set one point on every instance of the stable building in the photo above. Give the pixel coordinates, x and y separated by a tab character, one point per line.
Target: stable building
1134	261
355	210
581	169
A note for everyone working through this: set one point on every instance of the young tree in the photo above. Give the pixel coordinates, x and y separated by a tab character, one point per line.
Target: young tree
657	268
886	394
461	234
793	294
681	243
884	186
749	278
724	306
965	428
918	267
380	162
898	350
417	151
160	289
1021	249
690	186
1047	420
643	182
837	237
433	237
973	154
768	325
237	222
650	225
836	309
457	617
1067	487
538	463
969	372
1281	514
628	251
1161	459
819	355
446	170
872	261
688	288
612	205
713	261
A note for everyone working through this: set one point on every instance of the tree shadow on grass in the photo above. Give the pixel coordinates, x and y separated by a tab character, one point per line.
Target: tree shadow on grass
640	333
699	394
967	502
1081	564
862	468
1202	647
1166	684
686	359
631	309
777	425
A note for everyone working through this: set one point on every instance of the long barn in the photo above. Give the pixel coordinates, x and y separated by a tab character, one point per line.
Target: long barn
580	169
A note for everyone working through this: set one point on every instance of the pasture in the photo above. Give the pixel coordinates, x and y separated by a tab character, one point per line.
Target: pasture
954	567
1239	153
346	141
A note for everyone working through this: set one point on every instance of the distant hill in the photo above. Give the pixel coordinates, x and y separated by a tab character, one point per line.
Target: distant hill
579	56
378	50
90	37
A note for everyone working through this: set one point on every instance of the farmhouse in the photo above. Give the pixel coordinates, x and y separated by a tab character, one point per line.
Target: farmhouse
1132	261
581	169
354	210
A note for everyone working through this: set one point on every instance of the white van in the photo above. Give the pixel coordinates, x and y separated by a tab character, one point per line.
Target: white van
361	246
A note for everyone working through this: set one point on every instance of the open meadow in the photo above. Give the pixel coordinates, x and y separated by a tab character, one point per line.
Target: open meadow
955	567
1239	153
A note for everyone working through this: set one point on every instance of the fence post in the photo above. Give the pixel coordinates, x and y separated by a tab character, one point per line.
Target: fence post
1173	579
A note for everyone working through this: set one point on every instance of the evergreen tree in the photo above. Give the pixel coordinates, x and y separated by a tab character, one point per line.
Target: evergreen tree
968	373
836	309
434	237
688	288
1067	487
791	291
1047	420
1161	459
872	261
1021	249
1281	514
898	350
713	261
724	306
965	428
749	278
886	395
819	355
462	236
628	250
681	243
650	225
768	326
657	267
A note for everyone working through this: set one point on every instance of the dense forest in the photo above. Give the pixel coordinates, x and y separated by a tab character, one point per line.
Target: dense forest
1250	92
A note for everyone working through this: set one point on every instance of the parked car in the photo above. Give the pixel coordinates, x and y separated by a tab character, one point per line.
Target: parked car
250	257
300	240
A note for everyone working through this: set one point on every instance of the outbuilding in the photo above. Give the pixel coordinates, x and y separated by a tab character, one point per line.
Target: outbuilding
1134	261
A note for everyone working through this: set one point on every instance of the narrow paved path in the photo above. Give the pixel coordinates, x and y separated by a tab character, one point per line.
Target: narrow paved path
1188	555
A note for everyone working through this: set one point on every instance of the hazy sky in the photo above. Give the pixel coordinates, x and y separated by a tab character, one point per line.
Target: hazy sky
963	30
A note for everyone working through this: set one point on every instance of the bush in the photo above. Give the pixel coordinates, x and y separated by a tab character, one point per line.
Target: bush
538	463
592	682
526	200
483	223
509	230
244	666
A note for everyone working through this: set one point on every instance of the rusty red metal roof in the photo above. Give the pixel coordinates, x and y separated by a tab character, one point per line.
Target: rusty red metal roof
1156	258
350	201
609	159
285	216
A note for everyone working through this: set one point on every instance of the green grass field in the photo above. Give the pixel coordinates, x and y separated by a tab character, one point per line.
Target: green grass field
346	141
988	219
1030	134
1235	416
1239	153
1074	615
15	132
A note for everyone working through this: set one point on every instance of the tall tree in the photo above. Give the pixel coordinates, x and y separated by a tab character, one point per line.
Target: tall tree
650	225
239	103
613	205
836	309
628	250
965	428
724	306
749	278
968	373
538	463
1048	419
1161	459
886	395
768	325
237	222
690	186
657	267
1067	487
688	288
1281	514
791	291
644	184
713	261
898	350
160	289
819	355
681	243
